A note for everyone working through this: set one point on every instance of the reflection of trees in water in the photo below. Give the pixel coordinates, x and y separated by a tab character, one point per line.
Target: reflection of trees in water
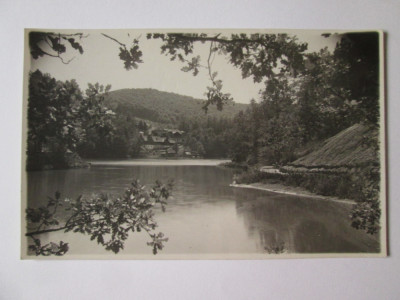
302	225
314	237
264	220
204	178
276	248
114	179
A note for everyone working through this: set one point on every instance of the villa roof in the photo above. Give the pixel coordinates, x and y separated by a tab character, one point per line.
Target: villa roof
158	139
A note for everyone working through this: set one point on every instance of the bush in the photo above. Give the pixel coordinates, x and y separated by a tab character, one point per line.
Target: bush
252	175
239	167
346	185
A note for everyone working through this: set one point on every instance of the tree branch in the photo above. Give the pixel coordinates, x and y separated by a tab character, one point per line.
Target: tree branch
213	39
113	39
76	222
30	234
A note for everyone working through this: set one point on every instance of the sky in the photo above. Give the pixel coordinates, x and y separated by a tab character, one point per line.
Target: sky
100	63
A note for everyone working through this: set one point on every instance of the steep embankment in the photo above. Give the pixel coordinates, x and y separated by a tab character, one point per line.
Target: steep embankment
341	167
350	148
354	147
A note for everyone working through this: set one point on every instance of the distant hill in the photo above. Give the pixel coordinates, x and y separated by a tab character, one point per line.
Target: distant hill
164	107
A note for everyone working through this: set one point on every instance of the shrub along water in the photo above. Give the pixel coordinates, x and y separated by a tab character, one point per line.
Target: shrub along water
348	185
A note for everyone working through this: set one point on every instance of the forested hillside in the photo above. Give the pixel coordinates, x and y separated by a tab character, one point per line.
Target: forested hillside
207	133
166	108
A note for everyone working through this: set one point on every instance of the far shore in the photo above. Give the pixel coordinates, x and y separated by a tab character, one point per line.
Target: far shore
289	190
158	162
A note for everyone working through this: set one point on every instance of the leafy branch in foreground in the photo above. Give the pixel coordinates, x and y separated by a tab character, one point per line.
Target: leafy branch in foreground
366	213
106	219
131	57
54	44
263	57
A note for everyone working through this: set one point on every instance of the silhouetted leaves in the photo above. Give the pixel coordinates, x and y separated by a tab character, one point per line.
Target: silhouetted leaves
157	242
131	57
75	45
193	65
53	44
106	219
48	249
215	96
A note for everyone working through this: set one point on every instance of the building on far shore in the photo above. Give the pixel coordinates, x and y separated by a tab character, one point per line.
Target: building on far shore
165	143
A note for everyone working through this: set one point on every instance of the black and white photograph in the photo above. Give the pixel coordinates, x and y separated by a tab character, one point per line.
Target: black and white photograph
203	144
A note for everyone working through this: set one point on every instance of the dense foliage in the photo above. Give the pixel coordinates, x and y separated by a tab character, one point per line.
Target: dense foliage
326	95
119	140
106	219
54	118
210	137
62	119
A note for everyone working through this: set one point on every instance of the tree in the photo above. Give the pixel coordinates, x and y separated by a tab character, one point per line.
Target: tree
52	106
96	119
106	219
240	145
61	118
360	51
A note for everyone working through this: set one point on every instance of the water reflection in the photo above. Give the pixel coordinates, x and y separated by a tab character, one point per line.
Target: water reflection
302	224
205	215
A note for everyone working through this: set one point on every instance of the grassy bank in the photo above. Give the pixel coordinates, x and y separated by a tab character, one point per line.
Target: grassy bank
350	185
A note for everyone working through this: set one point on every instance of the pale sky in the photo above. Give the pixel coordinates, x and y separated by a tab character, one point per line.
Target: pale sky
100	63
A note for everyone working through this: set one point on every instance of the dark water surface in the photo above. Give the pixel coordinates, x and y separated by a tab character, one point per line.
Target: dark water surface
206	215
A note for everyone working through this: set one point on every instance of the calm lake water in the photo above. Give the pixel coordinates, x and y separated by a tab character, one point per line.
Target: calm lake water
206	215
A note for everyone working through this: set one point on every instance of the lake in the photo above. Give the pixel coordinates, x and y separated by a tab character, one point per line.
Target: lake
205	216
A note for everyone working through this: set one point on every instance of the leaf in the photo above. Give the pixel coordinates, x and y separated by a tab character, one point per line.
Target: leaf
75	45
185	69
100	239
